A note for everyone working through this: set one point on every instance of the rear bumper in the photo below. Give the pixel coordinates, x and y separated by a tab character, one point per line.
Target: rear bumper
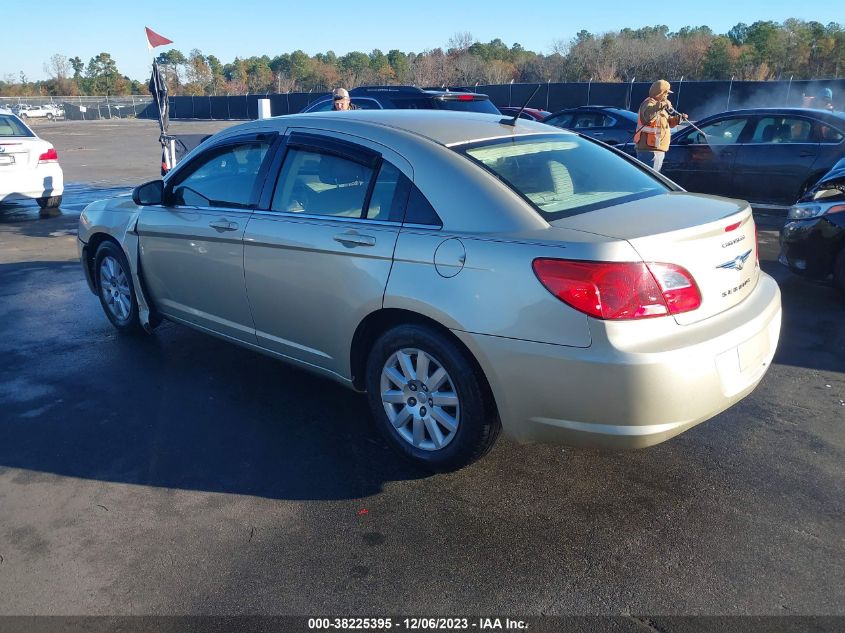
44	181
636	395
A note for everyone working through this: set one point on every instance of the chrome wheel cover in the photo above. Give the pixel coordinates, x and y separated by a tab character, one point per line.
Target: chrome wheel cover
420	399
114	288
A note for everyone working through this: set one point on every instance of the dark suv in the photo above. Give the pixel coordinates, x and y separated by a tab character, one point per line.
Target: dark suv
409	98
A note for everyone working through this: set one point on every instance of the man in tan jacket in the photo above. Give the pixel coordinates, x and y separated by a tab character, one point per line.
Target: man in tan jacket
654	123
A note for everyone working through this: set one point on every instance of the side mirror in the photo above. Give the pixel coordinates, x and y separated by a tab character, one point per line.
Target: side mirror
149	193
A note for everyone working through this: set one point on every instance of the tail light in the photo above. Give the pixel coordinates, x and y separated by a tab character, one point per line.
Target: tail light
619	290
50	156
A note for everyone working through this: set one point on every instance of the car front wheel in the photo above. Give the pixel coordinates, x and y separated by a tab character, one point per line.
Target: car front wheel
114	287
429	400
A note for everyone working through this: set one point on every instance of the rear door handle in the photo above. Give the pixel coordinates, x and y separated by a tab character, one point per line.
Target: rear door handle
353	239
223	225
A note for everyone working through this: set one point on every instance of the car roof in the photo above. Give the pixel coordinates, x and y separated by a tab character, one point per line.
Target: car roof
445	127
813	112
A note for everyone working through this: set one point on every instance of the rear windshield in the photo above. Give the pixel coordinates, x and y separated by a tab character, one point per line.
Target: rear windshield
476	105
12	126
563	175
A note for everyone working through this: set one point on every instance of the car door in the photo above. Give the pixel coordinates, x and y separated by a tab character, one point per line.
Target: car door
317	260
192	245
702	160
776	161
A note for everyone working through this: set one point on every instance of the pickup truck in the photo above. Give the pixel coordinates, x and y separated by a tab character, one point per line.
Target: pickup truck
39	112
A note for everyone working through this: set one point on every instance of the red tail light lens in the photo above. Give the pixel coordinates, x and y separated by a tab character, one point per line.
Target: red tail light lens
50	156
465	97
619	290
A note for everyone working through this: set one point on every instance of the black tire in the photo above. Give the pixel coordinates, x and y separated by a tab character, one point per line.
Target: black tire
113	279
50	203
49	117
477	422
24	115
839	270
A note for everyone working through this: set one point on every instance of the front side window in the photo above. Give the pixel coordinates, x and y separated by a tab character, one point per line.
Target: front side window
724	132
561	120
225	177
563	175
320	183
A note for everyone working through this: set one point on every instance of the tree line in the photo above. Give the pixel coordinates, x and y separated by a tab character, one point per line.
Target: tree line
760	51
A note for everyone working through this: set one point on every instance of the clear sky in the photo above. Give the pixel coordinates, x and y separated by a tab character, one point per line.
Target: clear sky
250	27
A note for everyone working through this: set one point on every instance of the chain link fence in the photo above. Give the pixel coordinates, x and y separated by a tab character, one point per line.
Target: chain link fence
697	98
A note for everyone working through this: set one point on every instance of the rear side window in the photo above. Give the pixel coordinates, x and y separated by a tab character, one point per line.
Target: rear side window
419	209
563	175
224	177
782	130
320	183
593	119
11	126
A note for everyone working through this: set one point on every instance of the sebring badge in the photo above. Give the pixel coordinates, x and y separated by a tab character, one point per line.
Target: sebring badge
737	263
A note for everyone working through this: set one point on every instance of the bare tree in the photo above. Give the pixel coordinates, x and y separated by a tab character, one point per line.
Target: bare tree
459	42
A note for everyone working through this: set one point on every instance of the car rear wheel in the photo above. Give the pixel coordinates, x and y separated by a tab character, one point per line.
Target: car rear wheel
49	117
50	203
24	115
114	287
839	270
429	400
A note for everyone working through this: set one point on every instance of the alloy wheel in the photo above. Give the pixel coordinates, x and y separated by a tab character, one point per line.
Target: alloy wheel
114	288
420	399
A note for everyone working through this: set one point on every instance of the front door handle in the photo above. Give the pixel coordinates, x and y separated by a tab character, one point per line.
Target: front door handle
353	239
223	225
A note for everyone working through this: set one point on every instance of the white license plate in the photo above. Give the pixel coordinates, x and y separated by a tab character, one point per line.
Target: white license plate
7	160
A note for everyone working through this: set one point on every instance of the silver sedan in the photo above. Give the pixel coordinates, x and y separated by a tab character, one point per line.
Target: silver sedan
467	274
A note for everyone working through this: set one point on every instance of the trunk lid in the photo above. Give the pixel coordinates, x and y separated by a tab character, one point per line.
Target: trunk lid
18	154
713	238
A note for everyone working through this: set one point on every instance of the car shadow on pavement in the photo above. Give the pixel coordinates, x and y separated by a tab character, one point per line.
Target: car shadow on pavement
178	409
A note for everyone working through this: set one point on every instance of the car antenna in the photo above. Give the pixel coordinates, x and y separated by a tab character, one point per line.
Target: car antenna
512	122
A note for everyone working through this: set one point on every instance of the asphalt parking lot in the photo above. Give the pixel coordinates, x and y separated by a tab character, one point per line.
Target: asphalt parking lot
177	474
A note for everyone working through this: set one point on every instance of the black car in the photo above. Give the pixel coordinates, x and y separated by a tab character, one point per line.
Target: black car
812	242
613	126
766	156
409	97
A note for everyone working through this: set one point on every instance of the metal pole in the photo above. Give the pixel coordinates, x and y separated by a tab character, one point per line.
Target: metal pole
730	87
630	90
678	96
589	85
788	90
548	90
510	92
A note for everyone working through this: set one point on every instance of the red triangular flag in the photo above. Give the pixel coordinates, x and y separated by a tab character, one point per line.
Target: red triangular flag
154	39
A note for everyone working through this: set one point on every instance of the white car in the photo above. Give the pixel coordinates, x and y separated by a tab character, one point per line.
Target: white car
29	166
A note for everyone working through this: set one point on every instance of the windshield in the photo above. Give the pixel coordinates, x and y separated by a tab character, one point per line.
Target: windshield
563	175
12	126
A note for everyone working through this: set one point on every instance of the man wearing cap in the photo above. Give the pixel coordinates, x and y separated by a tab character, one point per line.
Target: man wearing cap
340	100
653	124
826	100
